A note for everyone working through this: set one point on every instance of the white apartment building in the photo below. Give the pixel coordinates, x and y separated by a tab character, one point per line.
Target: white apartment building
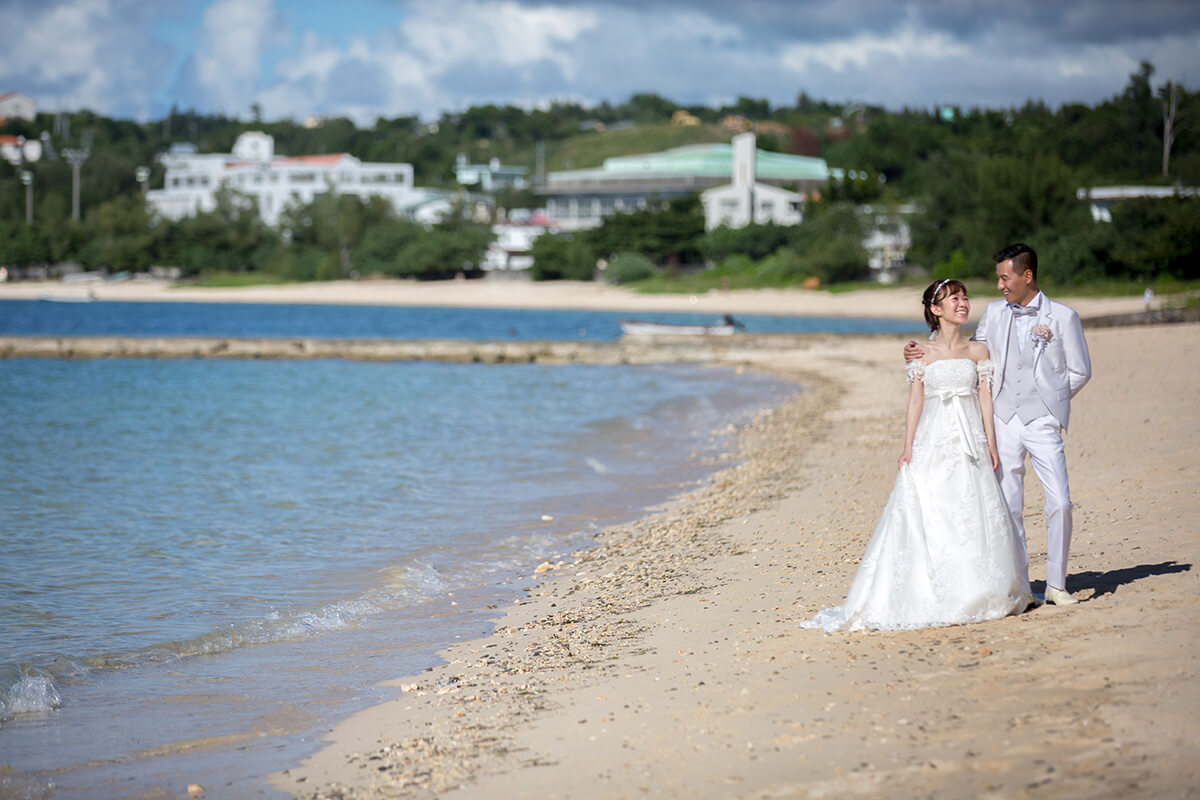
746	200
15	105
277	182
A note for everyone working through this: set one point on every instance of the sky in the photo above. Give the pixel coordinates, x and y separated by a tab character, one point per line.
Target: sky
136	59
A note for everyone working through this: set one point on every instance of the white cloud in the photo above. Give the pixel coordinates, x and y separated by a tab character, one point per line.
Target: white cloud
228	62
81	54
506	33
907	45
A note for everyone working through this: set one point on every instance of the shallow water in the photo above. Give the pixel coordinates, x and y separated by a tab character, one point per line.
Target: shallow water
205	563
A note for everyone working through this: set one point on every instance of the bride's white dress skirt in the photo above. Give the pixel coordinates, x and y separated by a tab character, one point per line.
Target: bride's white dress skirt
944	551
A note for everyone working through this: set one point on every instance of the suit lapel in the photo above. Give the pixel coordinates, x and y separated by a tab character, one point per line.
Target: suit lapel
1006	325
1044	317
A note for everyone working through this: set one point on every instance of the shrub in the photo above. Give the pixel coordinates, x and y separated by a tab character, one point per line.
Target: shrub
629	267
562	257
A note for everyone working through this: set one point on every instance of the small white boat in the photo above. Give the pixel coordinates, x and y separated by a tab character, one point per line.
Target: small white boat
636	327
68	298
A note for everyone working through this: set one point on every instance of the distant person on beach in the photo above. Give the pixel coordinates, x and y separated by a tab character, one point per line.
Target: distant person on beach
1148	297
1042	362
945	551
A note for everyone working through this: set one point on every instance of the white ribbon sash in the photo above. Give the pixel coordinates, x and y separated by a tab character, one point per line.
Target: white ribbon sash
955	397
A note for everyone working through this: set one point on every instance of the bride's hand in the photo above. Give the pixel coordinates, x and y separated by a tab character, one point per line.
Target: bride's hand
995	457
905	457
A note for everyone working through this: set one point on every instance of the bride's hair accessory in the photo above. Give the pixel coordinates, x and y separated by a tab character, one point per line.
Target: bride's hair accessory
930	297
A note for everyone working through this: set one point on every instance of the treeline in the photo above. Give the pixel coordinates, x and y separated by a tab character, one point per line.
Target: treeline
662	242
980	177
331	238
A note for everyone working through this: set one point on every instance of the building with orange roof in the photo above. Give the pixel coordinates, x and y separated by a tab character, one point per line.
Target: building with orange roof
276	182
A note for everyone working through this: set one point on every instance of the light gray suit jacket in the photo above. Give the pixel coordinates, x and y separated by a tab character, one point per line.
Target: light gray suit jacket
1061	366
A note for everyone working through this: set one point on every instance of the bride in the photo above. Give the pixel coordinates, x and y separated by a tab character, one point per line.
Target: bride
944	551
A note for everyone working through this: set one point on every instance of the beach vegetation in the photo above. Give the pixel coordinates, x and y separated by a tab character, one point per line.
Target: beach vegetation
629	268
566	256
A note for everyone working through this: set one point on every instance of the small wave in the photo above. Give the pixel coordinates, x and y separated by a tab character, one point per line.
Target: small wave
31	694
596	466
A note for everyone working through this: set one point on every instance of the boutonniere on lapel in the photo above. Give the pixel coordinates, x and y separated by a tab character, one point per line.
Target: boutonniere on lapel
1041	335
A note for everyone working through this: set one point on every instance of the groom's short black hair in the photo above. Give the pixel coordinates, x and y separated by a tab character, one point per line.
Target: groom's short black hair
1023	258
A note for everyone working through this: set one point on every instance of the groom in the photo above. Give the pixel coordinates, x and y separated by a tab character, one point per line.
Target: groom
1041	361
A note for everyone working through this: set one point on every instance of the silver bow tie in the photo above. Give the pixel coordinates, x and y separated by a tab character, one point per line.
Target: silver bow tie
1022	311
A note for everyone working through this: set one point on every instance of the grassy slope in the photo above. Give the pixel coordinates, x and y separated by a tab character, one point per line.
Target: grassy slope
587	150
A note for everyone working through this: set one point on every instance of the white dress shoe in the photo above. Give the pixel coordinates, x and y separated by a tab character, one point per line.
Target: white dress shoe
1059	597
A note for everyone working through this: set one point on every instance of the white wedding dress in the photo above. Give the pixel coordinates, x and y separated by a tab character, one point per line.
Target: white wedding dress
944	551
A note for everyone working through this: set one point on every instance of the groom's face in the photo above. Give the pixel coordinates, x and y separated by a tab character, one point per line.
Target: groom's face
1016	288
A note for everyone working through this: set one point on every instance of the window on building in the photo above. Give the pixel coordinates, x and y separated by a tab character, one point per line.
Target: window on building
607	206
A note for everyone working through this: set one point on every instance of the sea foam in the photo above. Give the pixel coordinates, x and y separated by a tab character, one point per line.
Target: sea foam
31	694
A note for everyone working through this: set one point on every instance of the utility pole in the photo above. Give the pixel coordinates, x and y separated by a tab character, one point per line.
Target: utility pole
75	156
27	179
25	152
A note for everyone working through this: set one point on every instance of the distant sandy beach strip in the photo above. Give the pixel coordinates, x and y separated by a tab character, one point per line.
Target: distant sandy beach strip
901	303
667	660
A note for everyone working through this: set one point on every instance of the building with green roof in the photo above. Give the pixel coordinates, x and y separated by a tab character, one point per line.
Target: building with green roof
581	198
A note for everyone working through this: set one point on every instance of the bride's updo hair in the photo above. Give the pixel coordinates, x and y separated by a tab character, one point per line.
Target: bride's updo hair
935	293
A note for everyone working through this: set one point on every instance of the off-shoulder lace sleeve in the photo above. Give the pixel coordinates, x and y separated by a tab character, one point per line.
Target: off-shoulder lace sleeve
986	369
914	371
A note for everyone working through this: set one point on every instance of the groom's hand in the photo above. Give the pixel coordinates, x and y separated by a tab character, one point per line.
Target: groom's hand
912	351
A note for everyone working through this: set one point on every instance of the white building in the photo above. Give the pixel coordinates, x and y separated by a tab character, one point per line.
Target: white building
277	182
510	252
580	199
1101	199
14	105
745	200
491	176
888	239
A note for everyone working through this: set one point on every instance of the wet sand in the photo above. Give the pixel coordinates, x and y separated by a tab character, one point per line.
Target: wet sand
667	661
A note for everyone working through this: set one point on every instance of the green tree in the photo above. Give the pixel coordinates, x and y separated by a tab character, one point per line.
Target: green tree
564	256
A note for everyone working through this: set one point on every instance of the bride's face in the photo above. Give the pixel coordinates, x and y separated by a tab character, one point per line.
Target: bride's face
955	307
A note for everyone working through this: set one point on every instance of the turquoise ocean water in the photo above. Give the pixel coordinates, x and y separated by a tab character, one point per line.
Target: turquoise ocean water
206	564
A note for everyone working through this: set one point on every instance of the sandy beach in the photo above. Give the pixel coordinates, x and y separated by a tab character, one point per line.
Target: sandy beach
877	302
667	661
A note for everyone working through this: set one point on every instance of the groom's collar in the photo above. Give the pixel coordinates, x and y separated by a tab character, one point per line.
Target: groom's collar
1035	303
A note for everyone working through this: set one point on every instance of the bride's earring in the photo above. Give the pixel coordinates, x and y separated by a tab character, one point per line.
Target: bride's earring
932	335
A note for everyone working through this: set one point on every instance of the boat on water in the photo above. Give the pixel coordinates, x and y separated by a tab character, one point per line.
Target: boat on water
90	297
636	327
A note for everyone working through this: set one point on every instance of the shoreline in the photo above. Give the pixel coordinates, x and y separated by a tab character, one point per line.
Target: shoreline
667	659
878	302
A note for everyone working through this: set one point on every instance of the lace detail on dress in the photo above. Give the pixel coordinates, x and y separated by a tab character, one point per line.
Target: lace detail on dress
914	371
944	551
986	369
